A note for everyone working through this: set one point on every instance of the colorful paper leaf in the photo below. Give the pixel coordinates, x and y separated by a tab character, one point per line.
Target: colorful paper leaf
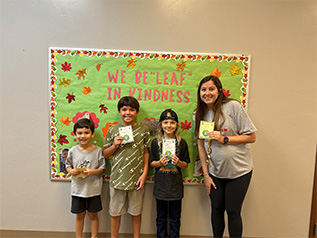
64	82
186	125
181	66
103	108
216	72
81	73
62	139
86	90
131	63
226	93
235	69
66	66
70	97
65	120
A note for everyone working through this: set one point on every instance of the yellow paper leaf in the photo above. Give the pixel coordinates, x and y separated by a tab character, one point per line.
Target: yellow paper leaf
235	69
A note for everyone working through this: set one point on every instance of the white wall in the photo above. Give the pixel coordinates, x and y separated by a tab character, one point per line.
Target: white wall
279	35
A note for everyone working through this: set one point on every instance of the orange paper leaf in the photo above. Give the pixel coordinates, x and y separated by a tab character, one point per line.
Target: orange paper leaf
65	120
81	73
86	90
215	72
181	66
131	63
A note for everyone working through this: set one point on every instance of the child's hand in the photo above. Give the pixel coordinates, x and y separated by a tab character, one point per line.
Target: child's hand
87	173
163	161
175	159
141	182
74	172
117	140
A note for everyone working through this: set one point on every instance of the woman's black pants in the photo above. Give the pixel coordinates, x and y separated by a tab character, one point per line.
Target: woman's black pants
228	197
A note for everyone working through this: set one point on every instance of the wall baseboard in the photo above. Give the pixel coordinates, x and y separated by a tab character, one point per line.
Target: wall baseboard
57	234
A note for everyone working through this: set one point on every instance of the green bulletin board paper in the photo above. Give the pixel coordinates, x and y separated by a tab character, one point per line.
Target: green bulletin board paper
90	82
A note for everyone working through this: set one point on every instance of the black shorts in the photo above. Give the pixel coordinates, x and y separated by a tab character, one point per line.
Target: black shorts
91	204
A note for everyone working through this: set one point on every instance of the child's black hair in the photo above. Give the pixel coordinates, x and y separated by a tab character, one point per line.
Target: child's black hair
128	101
84	123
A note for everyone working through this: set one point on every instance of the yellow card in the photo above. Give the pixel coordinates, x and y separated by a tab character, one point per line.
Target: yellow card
81	170
204	128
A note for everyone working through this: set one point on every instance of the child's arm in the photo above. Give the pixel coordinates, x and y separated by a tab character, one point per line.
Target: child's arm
90	172
141	181
107	152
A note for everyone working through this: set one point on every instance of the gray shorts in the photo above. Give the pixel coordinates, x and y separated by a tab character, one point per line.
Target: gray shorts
126	201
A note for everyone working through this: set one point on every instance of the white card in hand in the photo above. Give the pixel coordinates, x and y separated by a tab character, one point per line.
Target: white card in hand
127	134
168	147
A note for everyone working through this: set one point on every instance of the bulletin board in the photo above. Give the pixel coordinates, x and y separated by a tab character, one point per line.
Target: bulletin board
90	82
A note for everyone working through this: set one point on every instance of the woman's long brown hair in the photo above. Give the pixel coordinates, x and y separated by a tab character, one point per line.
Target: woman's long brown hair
202	109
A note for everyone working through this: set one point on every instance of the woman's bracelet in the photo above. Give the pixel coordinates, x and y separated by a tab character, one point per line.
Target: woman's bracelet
206	175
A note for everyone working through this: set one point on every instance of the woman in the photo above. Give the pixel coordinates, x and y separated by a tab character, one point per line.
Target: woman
225	157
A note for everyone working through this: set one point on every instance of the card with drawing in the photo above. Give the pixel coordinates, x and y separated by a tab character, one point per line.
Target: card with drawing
168	147
127	134
204	128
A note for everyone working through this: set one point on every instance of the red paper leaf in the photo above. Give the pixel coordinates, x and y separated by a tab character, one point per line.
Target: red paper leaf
186	125
62	139
70	97
103	108
66	66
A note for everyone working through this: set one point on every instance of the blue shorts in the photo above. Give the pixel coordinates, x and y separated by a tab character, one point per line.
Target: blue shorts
91	204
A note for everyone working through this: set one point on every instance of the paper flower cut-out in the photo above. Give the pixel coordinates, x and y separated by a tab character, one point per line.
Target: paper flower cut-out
106	128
